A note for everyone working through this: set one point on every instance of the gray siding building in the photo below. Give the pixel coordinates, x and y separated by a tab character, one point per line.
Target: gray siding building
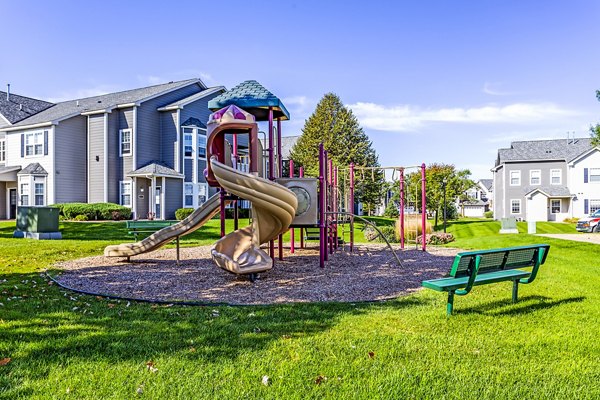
129	148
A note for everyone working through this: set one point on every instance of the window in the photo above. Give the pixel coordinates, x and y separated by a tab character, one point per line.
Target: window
187	141
535	177
34	143
515	178
38	190
2	150
24	190
594	206
125	140
189	195
555	206
201	193
515	206
125	193
595	175
555	176
201	145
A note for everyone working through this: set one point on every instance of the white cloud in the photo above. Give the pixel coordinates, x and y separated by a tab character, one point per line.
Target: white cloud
406	118
495	89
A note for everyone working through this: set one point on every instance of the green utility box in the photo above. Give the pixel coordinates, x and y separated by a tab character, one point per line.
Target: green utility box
37	223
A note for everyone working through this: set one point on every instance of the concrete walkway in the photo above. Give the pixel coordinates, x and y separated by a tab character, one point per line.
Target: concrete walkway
578	237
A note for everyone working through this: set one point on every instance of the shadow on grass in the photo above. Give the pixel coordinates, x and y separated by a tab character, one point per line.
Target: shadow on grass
525	305
46	325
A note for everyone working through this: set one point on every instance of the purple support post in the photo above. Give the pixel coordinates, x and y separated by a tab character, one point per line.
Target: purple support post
292	229
351	211
330	200
279	175
236	215
271	177
325	206
322	248
423	207
335	207
301	229
222	210
401	208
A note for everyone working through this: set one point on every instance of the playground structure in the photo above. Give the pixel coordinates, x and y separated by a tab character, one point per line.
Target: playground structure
278	203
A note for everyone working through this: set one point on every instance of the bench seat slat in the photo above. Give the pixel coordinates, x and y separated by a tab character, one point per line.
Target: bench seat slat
448	284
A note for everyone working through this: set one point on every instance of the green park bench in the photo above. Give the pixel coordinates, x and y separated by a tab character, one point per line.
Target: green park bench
146	226
312	233
473	268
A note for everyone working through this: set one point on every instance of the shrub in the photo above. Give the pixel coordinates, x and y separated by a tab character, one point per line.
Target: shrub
370	233
571	220
389	232
81	217
391	210
183	213
412	227
488	214
95	211
437	238
73	210
60	208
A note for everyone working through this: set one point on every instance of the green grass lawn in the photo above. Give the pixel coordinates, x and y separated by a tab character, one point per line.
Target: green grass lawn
65	345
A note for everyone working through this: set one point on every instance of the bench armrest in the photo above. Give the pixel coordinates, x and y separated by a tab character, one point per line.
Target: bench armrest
539	260
471	281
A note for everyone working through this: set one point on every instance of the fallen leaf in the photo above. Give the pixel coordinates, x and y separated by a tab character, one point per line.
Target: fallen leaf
111	305
140	389
320	379
266	380
192	349
151	366
371	354
5	361
286	336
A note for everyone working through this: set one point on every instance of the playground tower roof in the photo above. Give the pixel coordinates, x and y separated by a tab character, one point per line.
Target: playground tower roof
254	98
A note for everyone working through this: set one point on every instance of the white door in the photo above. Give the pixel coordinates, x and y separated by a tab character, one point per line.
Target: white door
157	204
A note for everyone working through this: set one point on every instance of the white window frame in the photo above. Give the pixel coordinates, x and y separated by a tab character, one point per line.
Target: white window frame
552	202
39	180
34	141
202	133
537	172
202	191
2	150
597	174
123	185
24	191
188	137
512	201
510	177
188	194
121	142
594	205
559	176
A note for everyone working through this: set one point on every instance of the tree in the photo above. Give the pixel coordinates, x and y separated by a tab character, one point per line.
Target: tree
456	183
334	125
595	129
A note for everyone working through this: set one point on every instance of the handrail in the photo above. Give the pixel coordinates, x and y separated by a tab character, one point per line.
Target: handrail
372	225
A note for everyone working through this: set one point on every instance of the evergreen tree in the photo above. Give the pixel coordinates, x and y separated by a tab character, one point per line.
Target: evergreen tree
334	125
595	129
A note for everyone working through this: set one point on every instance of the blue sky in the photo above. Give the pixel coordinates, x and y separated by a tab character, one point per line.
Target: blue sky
430	81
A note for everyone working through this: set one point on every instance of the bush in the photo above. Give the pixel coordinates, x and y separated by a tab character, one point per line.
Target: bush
391	210
183	213
95	211
488	214
60	207
437	238
81	217
389	232
412	227
571	220
370	233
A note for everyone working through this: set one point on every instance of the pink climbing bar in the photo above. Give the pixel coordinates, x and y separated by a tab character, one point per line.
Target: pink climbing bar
292	229
301	174
351	205
271	176
401	208
423	207
322	240
279	175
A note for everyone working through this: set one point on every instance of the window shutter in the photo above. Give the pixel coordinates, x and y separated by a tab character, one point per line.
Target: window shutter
585	177
586	205
22	145
45	143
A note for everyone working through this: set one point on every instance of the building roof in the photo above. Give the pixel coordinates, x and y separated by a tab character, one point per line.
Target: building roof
550	191
190	99
287	142
155	168
487	183
544	150
474	202
33	169
252	97
195	122
66	109
17	108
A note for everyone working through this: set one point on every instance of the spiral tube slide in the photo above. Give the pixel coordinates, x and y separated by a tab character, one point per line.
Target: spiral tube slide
188	225
273	209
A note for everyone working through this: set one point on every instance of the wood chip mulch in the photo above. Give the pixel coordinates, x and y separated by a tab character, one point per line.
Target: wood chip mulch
369	273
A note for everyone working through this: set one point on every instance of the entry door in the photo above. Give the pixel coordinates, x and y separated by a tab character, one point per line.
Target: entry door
157	197
12	212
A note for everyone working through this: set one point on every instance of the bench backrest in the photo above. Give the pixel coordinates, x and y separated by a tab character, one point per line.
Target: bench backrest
149	224
499	259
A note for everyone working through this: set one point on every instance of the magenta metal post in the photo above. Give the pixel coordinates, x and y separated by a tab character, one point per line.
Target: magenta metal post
423	207
351	205
335	207
330	200
292	229
235	203
325	207
322	250
222	210
401	210
279	175
271	177
301	174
